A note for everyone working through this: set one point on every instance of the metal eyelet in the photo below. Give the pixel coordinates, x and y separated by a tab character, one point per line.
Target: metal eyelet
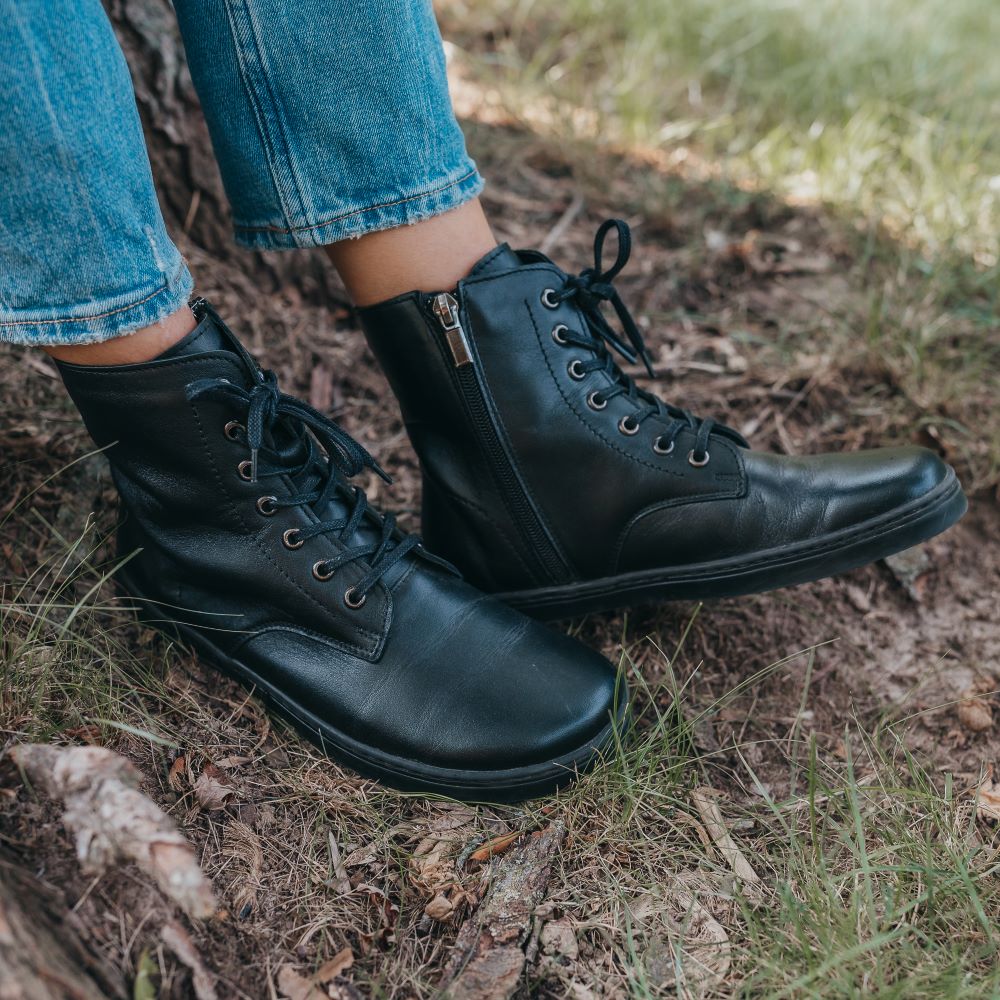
320	573
698	462
267	506
595	402
575	370
659	449
292	540
559	333
549	299
233	430
628	425
354	601
245	470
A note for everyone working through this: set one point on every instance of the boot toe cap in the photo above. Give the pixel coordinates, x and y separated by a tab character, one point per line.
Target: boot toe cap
468	683
872	483
525	695
808	496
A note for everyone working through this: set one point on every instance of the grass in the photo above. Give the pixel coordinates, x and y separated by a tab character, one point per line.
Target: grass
876	879
886	108
884	114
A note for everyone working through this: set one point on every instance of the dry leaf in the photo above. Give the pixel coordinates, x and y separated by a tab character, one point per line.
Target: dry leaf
87	734
909	567
177	773
364	855
975	714
708	809
342	882
227	763
433	862
440	907
336	966
559	938
210	791
495	846
693	956
988	800
179	942
296	987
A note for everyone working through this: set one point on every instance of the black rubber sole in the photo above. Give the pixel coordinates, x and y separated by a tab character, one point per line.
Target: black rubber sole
509	785
814	559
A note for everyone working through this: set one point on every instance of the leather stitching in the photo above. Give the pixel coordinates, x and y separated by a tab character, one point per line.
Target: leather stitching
548	268
509	450
662	505
859	533
450	368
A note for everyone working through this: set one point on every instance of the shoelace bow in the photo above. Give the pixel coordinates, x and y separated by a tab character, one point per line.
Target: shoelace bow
344	458
590	289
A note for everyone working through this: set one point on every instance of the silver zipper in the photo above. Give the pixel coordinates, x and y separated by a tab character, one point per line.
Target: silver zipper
445	308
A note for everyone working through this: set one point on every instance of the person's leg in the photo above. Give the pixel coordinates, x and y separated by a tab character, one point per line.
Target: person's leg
549	475
429	255
144	344
333	127
84	254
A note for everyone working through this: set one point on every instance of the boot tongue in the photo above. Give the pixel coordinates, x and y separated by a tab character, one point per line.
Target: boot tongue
212	336
206	336
501	258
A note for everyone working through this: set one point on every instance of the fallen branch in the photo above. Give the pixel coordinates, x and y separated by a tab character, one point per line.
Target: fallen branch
489	953
113	821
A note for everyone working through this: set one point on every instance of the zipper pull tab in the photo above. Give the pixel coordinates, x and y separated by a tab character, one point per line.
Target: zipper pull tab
445	307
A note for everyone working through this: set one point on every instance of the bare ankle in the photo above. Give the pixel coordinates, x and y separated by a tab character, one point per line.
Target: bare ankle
143	345
430	256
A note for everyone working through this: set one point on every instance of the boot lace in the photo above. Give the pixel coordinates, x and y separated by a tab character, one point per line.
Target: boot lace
321	476
590	289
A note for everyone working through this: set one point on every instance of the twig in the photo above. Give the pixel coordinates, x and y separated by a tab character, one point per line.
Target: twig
556	233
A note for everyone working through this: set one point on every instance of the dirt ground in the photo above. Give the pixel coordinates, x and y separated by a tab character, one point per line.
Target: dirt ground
748	304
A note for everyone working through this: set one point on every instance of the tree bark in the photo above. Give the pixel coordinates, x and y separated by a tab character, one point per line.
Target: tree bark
489	956
42	954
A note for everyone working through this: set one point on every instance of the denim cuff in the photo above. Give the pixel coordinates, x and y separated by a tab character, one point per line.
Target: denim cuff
435	199
96	321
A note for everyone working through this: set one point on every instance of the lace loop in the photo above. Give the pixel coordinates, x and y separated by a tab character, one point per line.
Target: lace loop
589	290
266	403
593	285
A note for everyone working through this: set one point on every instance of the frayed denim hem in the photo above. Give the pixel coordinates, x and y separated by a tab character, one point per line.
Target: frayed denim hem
403	212
95	322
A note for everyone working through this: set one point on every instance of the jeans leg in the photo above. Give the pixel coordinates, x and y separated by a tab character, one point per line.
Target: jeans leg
84	254
329	118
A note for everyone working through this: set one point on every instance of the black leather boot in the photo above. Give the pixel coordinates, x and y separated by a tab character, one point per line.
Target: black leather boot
252	545
551	479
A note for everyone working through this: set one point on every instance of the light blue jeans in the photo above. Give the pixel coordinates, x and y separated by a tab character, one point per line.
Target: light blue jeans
329	119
